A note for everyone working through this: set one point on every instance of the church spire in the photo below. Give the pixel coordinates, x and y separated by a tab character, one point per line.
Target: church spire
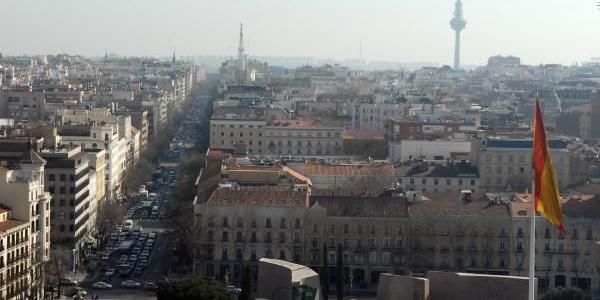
173	55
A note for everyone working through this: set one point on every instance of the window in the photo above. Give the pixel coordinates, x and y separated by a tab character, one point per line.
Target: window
448	181
62	190
331	228
346	228
210	236
297	224
225	236
358	229
51	177
282	237
63	177
268	223
315	228
282	223
225	222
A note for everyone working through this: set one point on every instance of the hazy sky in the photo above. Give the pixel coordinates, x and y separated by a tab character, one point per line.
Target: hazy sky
549	31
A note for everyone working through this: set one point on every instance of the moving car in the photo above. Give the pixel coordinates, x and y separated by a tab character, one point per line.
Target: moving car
130	284
101	285
150	286
232	290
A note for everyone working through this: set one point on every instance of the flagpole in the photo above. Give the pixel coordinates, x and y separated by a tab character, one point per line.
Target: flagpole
532	243
532	218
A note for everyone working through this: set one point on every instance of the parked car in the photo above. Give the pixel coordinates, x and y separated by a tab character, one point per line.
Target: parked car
109	272
130	284
101	285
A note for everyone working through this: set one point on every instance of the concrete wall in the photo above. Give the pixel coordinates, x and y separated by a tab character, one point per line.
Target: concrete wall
397	287
459	286
277	279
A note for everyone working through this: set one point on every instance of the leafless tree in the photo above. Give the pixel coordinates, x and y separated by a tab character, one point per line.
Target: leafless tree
108	216
58	266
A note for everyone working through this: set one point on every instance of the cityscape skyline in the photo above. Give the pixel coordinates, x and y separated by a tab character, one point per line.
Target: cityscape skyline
305	31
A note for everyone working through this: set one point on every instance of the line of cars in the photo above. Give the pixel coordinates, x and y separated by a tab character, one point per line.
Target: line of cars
133	248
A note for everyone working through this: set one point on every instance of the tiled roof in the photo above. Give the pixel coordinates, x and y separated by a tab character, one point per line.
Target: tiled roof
260	196
443	205
10	224
384	169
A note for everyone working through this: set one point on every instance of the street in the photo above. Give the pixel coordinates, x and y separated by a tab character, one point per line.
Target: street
141	250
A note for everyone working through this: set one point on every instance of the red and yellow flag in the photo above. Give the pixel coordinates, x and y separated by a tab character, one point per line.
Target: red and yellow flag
547	197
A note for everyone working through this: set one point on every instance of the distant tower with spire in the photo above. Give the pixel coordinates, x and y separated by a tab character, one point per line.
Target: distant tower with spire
457	24
241	64
241	44
173	56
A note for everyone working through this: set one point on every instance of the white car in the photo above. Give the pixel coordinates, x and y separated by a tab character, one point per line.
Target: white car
232	290
130	284
101	285
109	272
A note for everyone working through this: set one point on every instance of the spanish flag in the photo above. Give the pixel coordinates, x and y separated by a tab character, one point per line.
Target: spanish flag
547	197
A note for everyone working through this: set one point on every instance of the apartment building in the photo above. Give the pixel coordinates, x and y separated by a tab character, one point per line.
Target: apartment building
393	231
230	126
67	178
303	137
236	227
561	260
15	260
504	162
139	120
375	115
22	194
452	178
367	179
371	230
104	137
397	130
104	116
22	104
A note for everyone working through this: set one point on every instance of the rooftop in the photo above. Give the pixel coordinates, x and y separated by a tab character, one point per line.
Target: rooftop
303	122
381	206
376	169
524	144
259	196
10	224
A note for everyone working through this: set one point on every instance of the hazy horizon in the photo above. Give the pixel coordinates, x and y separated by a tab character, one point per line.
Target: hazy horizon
411	31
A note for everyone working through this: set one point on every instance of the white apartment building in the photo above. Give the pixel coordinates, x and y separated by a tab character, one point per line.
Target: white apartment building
22	191
101	116
102	137
450	178
374	115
